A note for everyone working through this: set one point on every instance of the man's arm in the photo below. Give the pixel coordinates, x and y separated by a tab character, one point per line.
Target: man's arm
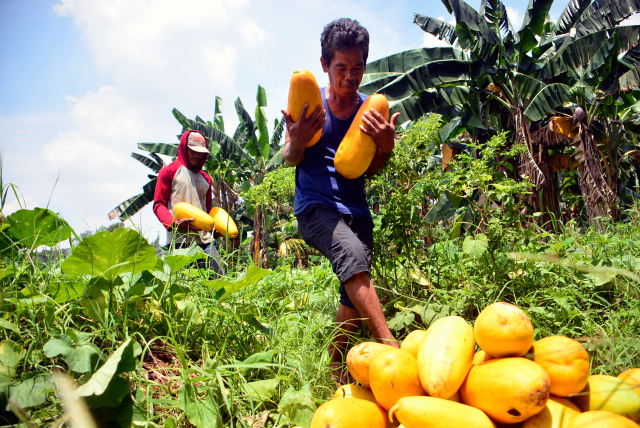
298	134
383	134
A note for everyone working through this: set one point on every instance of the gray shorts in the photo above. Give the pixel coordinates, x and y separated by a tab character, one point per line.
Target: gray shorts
346	240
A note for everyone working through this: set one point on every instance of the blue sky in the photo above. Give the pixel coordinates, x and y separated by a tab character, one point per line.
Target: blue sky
82	82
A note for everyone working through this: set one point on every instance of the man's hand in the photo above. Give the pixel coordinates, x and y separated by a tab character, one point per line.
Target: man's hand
301	132
185	225
383	134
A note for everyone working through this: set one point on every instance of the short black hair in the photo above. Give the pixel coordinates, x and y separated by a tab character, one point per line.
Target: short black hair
343	34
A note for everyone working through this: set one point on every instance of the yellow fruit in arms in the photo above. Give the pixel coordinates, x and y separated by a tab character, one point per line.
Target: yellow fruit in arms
432	412
393	374
350	413
223	223
357	149
303	89
200	218
503	330
411	343
558	413
565	361
609	393
601	419
359	359
509	390
355	391
445	355
631	377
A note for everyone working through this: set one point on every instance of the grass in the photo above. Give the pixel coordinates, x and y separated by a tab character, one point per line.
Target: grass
257	357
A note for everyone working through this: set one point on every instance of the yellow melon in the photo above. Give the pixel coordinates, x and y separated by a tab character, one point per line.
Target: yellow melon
609	393
359	359
432	412
509	390
304	89
445	356
411	343
393	374
558	413
503	330
565	361
355	391
601	419
351	413
224	224
631	377
480	357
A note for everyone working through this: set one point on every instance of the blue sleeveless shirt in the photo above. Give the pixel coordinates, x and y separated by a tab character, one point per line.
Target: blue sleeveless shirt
318	182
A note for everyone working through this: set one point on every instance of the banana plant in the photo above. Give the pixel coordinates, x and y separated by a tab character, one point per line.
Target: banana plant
494	79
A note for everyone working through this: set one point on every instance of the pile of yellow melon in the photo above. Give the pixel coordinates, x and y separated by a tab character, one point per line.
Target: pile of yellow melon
437	379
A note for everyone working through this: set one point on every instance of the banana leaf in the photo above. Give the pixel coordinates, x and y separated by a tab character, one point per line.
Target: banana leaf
608	15
262	122
475	26
131	206
548	99
433	74
527	87
440	29
581	51
150	163
402	62
252	146
571	15
603	63
218	120
495	12
630	58
630	80
533	25
170	150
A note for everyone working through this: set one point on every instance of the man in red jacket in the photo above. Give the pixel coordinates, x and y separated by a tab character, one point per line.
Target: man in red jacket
184	181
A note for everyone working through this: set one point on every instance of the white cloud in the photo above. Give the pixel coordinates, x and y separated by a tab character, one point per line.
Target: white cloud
515	17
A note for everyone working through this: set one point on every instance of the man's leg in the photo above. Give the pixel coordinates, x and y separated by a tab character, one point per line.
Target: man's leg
347	323
363	296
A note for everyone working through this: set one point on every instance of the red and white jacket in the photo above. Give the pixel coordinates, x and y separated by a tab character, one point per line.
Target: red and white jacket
182	182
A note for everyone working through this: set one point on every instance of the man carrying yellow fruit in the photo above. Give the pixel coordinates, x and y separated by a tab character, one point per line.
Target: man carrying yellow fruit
184	181
331	209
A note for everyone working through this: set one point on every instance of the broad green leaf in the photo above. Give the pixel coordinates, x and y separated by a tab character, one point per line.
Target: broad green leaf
7	271
401	320
11	354
94	302
118	388
40	226
122	360
81	358
201	413
65	291
251	276
31	392
262	390
533	25
109	254
608	15
475	246
472	20
571	15
182	257
298	406
218	121
143	284
9	326
550	98
170	150
262	122
440	29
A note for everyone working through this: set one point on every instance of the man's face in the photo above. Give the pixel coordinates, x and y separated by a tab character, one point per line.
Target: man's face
195	157
345	71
